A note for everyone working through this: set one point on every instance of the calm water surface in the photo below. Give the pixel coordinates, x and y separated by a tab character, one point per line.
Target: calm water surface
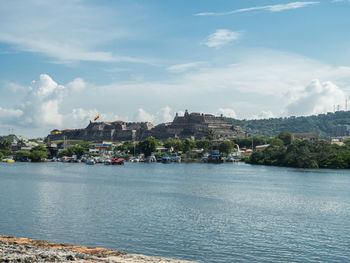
207	213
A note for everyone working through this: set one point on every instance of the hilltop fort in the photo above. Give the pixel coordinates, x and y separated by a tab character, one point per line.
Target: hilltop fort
191	125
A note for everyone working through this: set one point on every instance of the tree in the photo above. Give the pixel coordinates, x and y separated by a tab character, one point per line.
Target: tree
5	146
188	145
286	137
211	135
204	144
276	141
176	144
76	150
148	146
38	153
226	147
22	155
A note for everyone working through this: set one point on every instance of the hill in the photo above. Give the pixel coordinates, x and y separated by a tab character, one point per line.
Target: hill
323	124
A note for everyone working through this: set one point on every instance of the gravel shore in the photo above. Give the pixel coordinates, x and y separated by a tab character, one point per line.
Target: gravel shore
25	250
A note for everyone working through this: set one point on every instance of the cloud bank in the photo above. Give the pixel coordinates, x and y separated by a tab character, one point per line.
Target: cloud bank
316	98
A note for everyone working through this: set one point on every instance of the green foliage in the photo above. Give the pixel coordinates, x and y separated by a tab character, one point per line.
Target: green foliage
323	124
38	153
127	146
188	145
85	145
77	150
304	154
1	155
5	147
148	146
176	144
39	147
286	137
63	153
276	142
204	144
211	135
226	147
22	155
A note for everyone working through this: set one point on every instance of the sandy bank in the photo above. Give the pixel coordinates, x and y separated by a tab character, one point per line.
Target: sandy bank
25	250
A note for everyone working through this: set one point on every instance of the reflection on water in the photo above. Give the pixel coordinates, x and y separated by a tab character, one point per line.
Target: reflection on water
208	213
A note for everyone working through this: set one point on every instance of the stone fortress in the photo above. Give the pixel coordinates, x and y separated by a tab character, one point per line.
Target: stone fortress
191	125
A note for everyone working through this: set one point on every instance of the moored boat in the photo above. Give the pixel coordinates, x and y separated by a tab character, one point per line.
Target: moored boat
118	161
90	161
166	159
8	160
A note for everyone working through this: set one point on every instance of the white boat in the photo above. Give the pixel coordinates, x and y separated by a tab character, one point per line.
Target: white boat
90	161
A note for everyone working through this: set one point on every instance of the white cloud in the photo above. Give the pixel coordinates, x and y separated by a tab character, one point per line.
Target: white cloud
316	98
165	114
263	115
143	116
6	114
41	106
230	113
77	84
178	68
66	31
221	37
270	8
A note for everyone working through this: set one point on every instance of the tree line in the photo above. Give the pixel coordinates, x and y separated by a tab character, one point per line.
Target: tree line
322	124
303	154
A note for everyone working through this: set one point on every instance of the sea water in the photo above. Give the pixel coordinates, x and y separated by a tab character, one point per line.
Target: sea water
201	212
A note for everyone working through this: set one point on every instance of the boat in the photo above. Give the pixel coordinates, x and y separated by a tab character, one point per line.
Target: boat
150	159
108	162
175	158
134	160
215	158
8	160
166	159
118	161
90	161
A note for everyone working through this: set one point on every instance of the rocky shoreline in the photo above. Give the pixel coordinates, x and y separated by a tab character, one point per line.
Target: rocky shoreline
25	250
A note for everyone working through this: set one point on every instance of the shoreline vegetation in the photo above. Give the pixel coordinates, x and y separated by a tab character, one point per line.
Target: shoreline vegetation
282	150
303	154
25	250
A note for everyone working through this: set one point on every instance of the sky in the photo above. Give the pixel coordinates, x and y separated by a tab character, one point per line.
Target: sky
62	62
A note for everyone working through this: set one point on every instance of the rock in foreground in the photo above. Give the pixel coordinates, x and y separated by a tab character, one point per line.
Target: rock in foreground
25	250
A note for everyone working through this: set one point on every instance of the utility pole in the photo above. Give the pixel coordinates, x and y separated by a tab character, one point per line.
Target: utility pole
346	104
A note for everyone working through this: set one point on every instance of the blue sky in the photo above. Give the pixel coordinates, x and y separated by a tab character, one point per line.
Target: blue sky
62	62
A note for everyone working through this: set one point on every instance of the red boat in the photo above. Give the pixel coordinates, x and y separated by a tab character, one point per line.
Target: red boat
118	161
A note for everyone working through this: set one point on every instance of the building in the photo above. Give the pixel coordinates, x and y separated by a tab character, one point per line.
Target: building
312	137
191	125
197	126
341	130
105	131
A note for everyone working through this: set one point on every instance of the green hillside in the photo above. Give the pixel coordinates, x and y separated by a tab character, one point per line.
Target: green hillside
322	124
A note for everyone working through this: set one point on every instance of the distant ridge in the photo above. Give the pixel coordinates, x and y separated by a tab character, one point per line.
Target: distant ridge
323	124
